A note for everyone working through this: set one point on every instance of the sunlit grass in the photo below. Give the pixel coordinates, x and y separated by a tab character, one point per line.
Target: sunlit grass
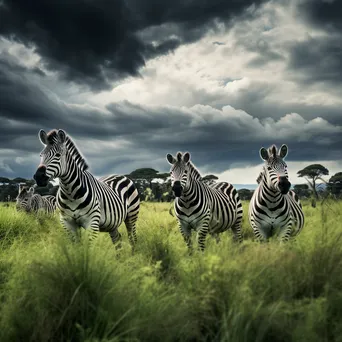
53	290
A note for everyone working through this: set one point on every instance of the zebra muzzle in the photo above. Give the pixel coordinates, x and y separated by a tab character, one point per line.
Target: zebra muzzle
177	188
284	185
40	176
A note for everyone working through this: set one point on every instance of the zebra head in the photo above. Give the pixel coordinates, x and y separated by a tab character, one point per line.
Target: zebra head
179	171
275	168
24	196
52	157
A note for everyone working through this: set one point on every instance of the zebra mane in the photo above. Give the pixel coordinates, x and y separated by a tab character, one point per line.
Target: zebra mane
76	154
71	148
194	172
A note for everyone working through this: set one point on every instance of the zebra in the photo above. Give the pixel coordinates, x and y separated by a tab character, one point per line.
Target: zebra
28	201
198	206
273	204
84	201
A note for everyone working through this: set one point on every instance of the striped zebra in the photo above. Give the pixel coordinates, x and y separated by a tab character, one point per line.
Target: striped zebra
273	204
200	207
28	201
84	201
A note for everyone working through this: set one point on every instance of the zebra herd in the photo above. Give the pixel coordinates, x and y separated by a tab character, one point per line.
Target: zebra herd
102	205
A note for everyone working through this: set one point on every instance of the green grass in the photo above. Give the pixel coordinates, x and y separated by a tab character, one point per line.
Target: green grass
53	290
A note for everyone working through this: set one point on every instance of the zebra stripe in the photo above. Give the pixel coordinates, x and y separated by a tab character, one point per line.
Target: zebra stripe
273	204
198	206
84	201
30	202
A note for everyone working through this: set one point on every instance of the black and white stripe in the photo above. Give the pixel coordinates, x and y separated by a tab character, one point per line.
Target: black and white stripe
198	206
28	201
84	201
273	204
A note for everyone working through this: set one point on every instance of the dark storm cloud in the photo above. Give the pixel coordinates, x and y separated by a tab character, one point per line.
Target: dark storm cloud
326	14
96	42
127	136
318	59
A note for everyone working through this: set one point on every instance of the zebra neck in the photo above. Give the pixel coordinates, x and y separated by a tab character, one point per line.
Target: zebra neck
73	180
189	190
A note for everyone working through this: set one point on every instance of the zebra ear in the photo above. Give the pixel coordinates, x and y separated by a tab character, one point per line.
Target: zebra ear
43	137
61	135
31	190
179	156
263	154
170	158
186	157
283	151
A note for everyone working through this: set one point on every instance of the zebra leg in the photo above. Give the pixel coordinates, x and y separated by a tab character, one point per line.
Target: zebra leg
236	229
130	224
116	238
186	233
94	228
259	233
202	233
70	227
285	233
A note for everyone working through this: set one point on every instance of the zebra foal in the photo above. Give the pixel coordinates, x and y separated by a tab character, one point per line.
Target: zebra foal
273	204
28	201
200	207
84	201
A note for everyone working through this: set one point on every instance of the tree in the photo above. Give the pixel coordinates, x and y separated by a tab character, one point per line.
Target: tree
334	185
143	173
302	190
19	180
245	194
312	173
4	180
209	179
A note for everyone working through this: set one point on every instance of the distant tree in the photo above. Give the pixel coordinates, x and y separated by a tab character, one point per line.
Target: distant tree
19	180
245	194
302	190
210	179
163	175
312	173
4	180
334	185
143	173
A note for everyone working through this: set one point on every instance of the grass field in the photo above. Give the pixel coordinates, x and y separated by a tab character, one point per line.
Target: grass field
53	290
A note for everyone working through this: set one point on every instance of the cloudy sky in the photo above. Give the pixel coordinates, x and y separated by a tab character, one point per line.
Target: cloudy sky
132	80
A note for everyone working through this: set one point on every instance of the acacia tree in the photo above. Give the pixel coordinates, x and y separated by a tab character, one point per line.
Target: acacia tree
335	184
302	190
312	173
210	179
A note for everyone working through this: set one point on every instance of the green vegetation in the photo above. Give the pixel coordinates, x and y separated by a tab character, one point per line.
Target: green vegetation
53	290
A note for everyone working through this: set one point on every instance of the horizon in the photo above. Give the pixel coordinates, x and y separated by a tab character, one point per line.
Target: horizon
220	81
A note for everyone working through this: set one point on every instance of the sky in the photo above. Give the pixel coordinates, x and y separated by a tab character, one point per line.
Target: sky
132	80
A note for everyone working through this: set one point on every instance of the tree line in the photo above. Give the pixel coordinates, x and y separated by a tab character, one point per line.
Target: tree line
156	187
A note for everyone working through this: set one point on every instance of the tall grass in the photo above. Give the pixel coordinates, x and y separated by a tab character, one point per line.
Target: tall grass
53	290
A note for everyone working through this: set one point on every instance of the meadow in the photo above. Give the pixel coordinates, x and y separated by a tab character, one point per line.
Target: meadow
54	290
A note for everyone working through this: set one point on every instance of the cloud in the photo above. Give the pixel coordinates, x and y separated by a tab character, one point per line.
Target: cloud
96	43
125	135
224	91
